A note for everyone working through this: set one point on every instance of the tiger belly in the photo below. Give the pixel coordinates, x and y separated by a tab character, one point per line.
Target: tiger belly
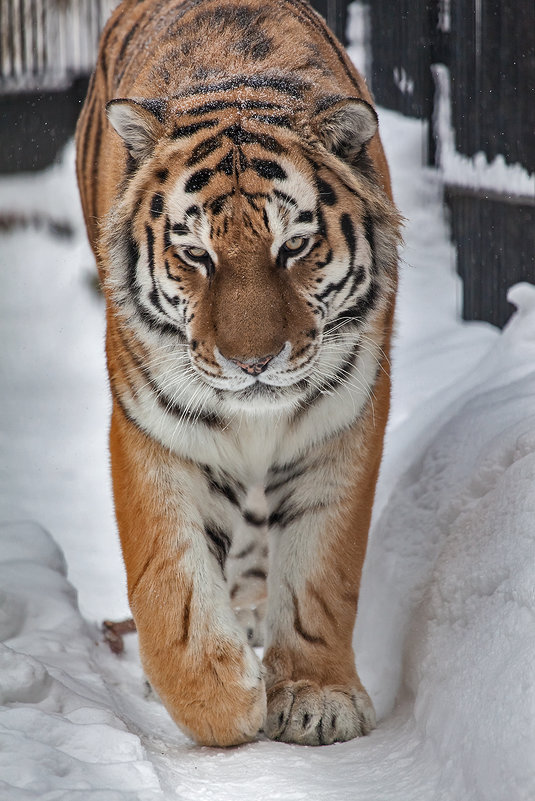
238	203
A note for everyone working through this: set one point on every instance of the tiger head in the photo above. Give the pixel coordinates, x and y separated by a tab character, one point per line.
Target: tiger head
250	234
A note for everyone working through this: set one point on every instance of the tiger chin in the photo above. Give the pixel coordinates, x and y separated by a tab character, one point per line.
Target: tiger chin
237	200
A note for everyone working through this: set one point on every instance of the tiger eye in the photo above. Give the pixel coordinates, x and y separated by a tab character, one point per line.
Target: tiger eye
295	243
197	253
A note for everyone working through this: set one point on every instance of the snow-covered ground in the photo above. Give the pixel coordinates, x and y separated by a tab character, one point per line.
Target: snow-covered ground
445	638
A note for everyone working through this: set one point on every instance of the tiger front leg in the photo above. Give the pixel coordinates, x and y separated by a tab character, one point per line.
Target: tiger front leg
193	650
321	509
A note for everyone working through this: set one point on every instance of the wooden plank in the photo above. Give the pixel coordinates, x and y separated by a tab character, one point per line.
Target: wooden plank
495	249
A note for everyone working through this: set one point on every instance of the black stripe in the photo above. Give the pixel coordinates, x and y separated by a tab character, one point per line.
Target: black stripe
298	626
251	199
122	407
180	228
369	233
362	306
276	470
174	300
153	323
280	120
348	230
273	486
254	572
122	51
132	260
186	615
219	543
156	205
243	162
339	378
286	513
166	233
326	192
181	131
294	87
286	198
87	135
322	225
223	486
254	520
327	101
204	149
305	217
240	136
247	551
94	171
268	169
156	106
198	180
334	286
220	105
104	44
216	205
153	295
170	274
209	419
226	165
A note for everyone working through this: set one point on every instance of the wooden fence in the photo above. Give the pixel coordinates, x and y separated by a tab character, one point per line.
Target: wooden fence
47	51
488	47
45	44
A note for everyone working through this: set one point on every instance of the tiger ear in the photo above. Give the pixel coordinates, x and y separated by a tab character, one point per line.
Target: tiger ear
346	126
140	123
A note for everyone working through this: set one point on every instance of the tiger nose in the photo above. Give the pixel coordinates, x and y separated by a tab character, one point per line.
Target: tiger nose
253	366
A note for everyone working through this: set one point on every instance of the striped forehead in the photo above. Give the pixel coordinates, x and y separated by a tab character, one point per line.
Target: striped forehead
240	181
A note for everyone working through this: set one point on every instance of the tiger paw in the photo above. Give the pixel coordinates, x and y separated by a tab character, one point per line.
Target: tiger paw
303	712
222	701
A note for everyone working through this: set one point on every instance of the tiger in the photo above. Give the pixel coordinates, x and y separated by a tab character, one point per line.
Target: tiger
238	203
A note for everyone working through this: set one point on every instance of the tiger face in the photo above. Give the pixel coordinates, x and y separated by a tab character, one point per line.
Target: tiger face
248	240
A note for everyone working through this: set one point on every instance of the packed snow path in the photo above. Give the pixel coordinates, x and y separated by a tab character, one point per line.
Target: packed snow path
445	637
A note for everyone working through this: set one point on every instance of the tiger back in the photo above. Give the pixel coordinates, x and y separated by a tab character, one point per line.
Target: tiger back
238	203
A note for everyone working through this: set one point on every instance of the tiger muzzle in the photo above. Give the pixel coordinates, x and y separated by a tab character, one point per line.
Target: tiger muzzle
252	366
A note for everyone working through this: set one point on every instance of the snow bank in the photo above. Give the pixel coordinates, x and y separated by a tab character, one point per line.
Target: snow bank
59	737
450	580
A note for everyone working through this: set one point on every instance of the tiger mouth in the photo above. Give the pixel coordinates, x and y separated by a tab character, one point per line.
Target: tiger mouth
259	390
265	384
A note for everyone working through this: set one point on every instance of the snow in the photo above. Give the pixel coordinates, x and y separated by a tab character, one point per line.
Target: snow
476	172
445	637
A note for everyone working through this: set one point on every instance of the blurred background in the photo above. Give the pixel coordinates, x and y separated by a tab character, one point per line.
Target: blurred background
464	67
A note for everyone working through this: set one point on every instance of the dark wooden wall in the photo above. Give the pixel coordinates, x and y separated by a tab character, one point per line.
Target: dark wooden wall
489	49
492	63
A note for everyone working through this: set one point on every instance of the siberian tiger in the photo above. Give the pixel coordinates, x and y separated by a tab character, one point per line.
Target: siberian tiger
238	203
